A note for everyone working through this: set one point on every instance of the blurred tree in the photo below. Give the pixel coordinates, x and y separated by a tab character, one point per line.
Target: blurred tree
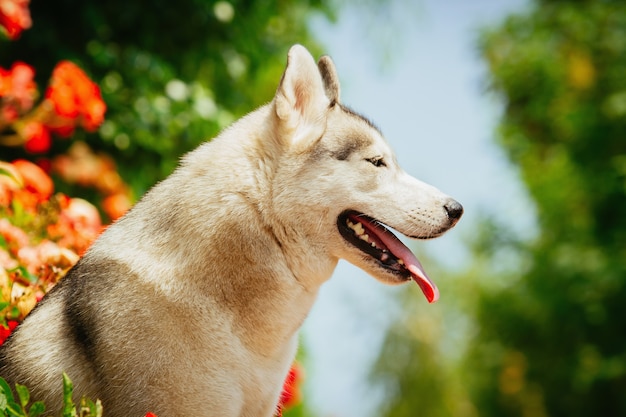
550	338
172	73
417	368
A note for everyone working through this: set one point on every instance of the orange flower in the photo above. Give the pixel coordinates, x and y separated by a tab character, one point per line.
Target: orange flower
83	215
35	179
46	253
75	98
23	88
78	225
116	205
14	17
94	111
82	166
13	235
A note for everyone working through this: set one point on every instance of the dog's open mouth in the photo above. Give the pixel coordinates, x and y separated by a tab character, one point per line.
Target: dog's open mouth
374	239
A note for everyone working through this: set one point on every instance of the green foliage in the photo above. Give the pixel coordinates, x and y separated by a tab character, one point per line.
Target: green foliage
299	410
9	407
69	408
410	367
549	336
172	73
417	367
559	332
87	407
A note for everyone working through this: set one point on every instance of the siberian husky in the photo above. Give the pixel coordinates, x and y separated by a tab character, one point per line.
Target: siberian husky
190	304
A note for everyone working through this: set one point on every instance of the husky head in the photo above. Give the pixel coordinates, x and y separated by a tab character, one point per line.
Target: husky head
341	183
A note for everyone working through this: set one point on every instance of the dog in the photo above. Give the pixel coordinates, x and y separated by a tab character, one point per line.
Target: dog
190	304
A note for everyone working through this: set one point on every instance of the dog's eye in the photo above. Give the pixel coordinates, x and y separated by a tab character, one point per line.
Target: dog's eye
377	161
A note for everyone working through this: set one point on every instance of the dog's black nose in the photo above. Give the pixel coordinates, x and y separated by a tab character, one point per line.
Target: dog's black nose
454	209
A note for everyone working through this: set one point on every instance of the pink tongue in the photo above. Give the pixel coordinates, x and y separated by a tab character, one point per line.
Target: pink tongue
414	266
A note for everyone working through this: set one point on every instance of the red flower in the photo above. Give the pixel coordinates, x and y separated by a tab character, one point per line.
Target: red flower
76	100
37	137
150	415
6	332
290	395
9	113
14	17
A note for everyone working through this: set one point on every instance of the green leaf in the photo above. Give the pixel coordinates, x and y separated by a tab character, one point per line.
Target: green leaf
37	409
23	394
99	410
13	313
19	214
30	277
6	390
69	408
8	174
11	409
3	305
3	402
23	271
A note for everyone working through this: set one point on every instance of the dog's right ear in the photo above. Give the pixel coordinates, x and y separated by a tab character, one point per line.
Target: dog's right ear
301	101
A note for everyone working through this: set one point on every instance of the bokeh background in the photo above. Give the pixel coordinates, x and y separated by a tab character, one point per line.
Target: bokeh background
517	108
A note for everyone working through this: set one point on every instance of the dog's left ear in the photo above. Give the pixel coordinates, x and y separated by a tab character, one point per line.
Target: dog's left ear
331	79
301	101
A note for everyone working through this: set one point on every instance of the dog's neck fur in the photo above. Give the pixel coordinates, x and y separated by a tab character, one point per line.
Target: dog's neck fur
253	292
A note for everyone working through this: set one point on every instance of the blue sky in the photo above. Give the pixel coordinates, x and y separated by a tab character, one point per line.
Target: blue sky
413	68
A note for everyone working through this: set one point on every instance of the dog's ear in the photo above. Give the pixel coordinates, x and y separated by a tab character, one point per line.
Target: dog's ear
301	102
331	80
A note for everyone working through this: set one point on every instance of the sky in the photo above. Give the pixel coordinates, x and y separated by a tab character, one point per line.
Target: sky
414	69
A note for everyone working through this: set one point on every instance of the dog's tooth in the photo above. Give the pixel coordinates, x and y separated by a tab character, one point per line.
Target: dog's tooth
356	227
384	256
400	261
364	237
